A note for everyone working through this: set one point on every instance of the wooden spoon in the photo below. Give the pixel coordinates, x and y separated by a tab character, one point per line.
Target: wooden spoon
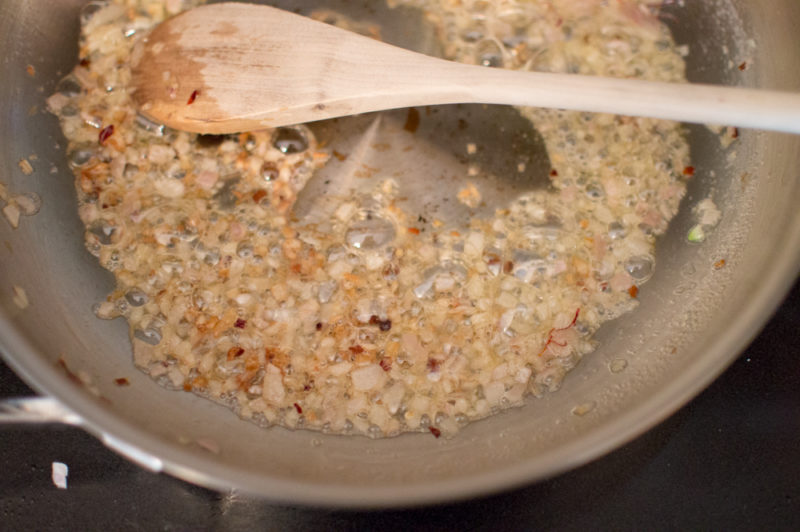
226	68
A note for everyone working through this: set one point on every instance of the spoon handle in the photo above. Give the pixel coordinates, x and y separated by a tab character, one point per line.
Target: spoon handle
436	81
694	103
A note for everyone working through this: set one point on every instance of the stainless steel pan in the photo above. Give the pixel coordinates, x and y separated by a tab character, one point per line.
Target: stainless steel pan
692	321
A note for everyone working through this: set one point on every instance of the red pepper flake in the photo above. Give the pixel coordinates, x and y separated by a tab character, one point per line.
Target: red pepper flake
390	272
234	352
240	323
413	230
633	291
433	365
356	349
85	62
122	381
735	132
688	171
105	133
298	408
719	264
412	120
553	173
31	70
550	339
193	97
386	364
743	66
436	432
259	194
318	326
72	376
508	267
383	325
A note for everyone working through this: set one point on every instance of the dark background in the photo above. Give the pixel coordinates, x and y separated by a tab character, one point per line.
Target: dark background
729	460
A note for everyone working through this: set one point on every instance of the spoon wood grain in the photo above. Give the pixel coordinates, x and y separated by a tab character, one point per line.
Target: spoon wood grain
231	67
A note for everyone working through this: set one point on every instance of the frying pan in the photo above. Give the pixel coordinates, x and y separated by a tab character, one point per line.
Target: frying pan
696	314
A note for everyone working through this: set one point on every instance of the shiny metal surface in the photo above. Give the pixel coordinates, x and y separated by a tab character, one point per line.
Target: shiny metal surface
692	321
36	410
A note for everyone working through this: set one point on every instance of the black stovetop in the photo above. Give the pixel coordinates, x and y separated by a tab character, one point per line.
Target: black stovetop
729	460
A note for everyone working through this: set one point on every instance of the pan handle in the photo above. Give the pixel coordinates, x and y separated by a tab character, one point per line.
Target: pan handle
36	410
41	410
